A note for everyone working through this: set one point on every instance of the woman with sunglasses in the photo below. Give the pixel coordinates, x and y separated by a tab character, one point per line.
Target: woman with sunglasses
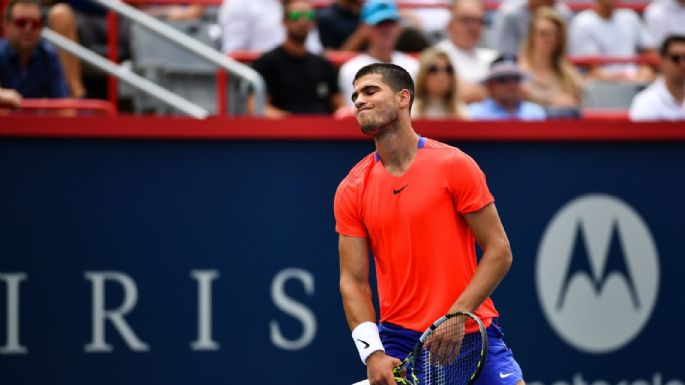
437	92
553	81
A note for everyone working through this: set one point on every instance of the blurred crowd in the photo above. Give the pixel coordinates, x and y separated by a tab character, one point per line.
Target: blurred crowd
468	62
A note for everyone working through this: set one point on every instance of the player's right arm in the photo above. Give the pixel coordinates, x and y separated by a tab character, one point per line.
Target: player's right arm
358	304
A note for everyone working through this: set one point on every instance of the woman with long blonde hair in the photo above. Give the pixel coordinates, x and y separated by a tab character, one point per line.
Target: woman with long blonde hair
553	81
436	90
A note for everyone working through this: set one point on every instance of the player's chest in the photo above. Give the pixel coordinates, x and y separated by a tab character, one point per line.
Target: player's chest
391	201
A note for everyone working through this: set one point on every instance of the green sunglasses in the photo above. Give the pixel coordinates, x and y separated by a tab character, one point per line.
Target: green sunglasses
301	15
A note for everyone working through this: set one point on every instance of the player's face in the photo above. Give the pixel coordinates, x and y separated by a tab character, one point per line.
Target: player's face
376	104
23	31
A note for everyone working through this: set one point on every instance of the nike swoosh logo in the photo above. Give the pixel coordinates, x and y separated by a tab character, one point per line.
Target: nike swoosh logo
364	342
502	375
400	190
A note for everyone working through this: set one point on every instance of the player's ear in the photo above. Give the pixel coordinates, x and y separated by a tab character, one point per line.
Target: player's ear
404	98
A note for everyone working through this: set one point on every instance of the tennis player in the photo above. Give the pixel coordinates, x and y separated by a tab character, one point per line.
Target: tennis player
420	206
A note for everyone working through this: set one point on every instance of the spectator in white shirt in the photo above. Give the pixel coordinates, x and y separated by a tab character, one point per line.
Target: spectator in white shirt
257	26
665	17
608	31
665	98
382	19
472	62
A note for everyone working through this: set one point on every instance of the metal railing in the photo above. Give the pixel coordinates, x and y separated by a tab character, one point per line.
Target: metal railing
126	75
208	53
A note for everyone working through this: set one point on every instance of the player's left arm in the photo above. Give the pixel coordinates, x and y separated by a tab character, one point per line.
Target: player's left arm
487	228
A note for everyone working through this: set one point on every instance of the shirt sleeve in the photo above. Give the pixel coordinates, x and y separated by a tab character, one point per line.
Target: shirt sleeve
641	109
655	23
234	21
345	83
645	37
347	209
263	66
332	77
467	182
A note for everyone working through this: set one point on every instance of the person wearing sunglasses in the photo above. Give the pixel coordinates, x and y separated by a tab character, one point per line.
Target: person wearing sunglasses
297	81
465	29
28	65
505	100
256	26
664	99
437	88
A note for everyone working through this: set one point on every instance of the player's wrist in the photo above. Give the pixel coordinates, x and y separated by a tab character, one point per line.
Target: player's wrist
367	340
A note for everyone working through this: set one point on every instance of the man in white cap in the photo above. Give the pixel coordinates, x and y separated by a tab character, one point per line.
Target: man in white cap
381	17
505	101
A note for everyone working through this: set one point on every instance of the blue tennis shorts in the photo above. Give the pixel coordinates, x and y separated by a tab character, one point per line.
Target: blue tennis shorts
500	366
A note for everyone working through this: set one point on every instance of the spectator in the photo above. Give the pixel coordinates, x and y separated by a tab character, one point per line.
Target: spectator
255	25
513	22
428	16
665	98
9	99
607	31
465	30
553	81
382	20
27	64
298	81
91	20
505	99
437	89
62	20
339	26
665	17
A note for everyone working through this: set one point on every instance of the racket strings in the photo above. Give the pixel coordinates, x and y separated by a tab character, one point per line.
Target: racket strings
455	362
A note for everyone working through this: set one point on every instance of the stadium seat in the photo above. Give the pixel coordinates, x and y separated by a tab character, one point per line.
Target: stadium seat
608	94
174	67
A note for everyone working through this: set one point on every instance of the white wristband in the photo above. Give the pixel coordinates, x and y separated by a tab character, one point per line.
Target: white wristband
367	339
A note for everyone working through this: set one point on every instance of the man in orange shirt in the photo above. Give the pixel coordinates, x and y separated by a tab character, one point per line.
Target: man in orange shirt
420	205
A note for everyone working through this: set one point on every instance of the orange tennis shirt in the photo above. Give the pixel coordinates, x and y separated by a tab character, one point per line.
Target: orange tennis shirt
424	251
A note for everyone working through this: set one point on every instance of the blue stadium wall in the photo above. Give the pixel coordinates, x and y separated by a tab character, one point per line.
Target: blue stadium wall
168	252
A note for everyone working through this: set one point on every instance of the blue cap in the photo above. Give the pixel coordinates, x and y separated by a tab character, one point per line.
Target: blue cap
375	11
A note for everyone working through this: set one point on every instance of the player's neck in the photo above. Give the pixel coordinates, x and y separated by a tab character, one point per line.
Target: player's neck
397	149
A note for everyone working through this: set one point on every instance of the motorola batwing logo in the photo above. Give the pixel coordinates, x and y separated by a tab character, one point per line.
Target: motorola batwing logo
597	273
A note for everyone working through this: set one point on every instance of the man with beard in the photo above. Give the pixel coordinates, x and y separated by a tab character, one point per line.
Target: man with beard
419	205
297	81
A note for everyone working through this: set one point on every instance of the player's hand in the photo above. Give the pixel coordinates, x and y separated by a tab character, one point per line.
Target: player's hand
445	342
379	368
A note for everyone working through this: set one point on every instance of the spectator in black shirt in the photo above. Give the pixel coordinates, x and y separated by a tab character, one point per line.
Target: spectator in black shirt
297	81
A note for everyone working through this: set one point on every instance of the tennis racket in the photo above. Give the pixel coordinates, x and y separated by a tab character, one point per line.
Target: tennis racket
451	351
